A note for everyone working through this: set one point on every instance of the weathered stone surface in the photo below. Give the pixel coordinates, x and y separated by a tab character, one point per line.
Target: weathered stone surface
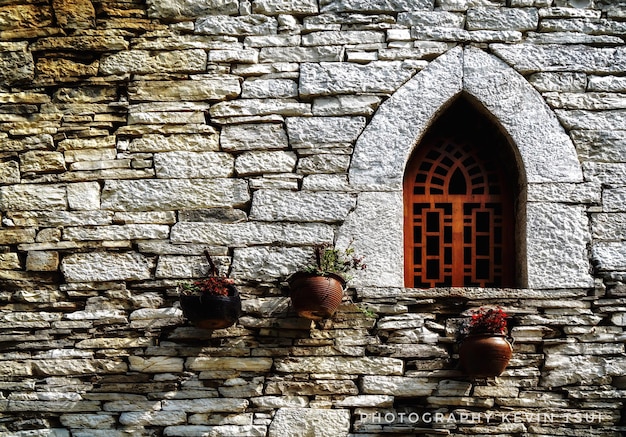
559	81
583	119
606	173
188	165
266	263
9	261
218	431
82	421
141	61
345	105
106	266
171	194
251	233
254	163
255	24
546	243
254	137
171	143
588	370
259	364
300	54
374	5
609	226
318	165
211	87
155	364
9	172
275	205
380	213
74	14
431	18
32	197
366	401
269	88
77	366
183	9
16	63
364	365
502	19
398	386
153	418
117	232
293	7
610	255
591	101
342	38
97	43
601	145
567	193
331	78
614	199
307	130
527	58
280	401
206	405
331	423
42	261
166	117
614	84
83	196
257	107
175	266
16	15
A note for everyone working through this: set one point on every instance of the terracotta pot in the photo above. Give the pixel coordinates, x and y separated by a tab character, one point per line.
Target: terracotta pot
316	297
212	312
485	355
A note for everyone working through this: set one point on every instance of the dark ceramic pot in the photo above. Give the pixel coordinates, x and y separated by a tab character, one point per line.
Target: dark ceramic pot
485	355
212	312
316	297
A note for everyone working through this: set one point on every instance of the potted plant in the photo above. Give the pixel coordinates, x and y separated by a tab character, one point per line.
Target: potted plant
317	291
212	302
485	350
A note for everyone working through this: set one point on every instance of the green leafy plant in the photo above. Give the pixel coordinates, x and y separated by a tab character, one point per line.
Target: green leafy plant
487	321
328	259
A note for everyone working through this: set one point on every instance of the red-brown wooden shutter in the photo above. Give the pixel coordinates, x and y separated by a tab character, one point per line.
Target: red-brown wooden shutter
459	226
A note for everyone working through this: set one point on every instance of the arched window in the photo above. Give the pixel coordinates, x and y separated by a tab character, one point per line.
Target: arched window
459	190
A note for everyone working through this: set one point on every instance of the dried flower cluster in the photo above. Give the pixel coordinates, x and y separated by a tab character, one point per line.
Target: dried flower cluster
488	321
331	260
213	285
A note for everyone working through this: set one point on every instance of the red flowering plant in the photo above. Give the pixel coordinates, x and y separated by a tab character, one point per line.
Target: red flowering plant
213	285
487	321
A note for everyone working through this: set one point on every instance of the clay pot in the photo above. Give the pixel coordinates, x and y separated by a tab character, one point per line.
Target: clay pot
316	297
485	355
212	312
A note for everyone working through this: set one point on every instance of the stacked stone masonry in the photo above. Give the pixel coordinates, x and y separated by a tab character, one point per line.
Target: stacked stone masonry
135	135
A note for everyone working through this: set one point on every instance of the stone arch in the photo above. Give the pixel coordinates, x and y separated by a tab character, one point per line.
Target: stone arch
553	252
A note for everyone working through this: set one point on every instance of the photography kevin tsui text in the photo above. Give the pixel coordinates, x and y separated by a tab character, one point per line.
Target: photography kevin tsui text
466	417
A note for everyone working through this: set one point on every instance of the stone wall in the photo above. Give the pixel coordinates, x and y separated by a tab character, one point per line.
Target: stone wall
136	135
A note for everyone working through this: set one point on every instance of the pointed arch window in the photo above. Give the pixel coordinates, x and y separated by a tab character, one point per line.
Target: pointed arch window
459	205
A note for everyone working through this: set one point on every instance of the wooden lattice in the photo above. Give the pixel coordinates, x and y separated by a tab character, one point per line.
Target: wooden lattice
459	228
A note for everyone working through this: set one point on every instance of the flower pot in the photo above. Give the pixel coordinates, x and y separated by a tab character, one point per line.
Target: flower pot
485	355
316	297
212	312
